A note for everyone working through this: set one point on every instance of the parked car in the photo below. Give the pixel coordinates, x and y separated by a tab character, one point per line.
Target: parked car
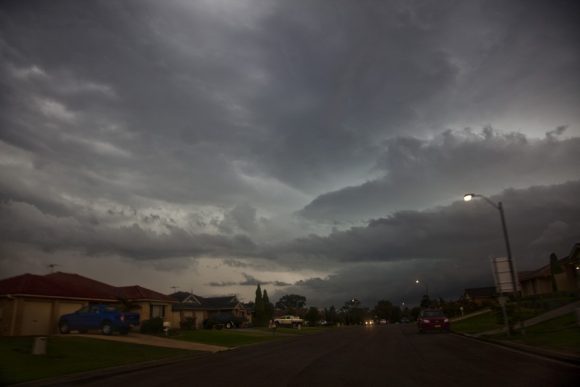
106	318
289	321
223	320
432	319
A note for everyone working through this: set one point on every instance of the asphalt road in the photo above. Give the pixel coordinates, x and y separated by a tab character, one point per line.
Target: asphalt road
378	356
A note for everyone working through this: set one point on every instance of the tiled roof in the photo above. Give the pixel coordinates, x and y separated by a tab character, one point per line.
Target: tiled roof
57	285
137	292
83	286
74	286
542	272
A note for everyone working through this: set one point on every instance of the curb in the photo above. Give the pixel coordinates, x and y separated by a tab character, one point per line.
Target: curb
546	353
107	372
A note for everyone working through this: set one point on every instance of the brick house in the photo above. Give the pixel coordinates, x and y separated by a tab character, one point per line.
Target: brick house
197	308
32	304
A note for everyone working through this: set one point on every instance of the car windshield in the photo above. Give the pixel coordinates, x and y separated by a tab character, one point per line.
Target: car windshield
433	313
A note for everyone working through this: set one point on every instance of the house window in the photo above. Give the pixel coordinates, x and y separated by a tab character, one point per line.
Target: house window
157	311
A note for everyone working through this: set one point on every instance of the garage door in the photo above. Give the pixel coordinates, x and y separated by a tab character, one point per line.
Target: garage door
36	318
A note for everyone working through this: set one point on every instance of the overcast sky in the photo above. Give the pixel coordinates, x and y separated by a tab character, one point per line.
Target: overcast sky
315	147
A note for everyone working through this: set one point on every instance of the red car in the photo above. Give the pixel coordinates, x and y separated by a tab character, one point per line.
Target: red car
431	320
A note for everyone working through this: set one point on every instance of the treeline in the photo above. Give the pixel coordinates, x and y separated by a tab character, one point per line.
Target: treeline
352	312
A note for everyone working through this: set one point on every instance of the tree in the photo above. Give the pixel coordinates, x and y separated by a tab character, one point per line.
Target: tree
291	302
384	310
259	310
268	307
330	315
425	301
312	316
352	312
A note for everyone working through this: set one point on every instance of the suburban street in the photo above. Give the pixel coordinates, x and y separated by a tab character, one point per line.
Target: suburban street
393	355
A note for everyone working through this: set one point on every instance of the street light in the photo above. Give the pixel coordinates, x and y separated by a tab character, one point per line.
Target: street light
499	207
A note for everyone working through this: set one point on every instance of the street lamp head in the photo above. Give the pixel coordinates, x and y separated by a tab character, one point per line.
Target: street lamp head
468	197
416	281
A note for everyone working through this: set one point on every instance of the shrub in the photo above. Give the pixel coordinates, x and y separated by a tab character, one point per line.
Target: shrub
188	324
153	326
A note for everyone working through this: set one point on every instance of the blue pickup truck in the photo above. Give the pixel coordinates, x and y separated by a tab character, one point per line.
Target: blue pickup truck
105	318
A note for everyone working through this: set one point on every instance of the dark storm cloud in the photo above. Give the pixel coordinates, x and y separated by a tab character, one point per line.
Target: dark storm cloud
371	282
298	93
248	281
448	248
24	224
461	231
420	173
157	130
242	217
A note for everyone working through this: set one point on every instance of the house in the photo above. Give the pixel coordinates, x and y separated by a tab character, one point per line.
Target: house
198	309
149	303
480	295
566	278
32	304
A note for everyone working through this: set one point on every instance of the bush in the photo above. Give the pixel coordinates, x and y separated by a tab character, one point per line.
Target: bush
153	326
188	324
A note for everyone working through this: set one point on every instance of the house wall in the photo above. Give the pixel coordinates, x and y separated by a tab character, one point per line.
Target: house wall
568	280
34	316
539	285
145	308
7	314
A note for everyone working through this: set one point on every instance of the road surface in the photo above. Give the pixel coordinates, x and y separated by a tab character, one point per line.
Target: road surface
393	355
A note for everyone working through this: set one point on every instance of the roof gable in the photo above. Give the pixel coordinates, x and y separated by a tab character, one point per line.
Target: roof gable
192	301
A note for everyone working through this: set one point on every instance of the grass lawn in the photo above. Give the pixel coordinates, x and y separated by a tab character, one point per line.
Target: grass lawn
481	323
561	333
238	337
66	355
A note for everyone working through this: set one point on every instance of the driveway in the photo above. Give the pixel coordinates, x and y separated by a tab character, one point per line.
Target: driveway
137	338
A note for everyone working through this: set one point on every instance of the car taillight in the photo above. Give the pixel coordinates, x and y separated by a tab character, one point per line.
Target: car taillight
425	321
446	320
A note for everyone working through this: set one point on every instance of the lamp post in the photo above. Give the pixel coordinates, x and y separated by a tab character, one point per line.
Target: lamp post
499	207
422	284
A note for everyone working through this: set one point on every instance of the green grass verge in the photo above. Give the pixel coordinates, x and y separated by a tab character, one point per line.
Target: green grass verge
480	323
239	337
67	355
561	334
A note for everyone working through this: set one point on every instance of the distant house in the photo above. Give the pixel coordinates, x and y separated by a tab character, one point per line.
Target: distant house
539	281
480	295
32	304
198	309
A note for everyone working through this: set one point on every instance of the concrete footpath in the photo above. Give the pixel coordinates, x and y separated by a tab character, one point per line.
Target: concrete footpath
138	338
